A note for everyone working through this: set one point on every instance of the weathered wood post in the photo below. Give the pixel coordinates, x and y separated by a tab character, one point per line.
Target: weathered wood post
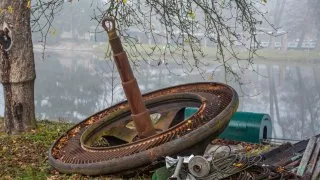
140	115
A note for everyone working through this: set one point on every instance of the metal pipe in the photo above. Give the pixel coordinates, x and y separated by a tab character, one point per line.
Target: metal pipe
176	173
139	113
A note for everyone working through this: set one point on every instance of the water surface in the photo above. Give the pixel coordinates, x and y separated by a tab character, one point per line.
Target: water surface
73	85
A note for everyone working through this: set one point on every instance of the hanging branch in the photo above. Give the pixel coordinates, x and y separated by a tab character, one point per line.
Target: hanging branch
42	16
177	28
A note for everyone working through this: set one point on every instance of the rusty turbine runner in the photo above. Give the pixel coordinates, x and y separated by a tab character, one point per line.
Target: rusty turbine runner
124	137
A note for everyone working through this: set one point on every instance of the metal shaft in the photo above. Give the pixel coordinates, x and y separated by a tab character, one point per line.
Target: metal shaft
140	115
176	173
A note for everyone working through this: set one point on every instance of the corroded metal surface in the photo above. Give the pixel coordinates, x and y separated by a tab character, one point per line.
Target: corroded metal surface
140	115
73	152
199	166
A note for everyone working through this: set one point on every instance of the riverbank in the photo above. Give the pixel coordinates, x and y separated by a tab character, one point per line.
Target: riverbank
100	50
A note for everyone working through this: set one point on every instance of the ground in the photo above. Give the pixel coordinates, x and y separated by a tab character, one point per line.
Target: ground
25	156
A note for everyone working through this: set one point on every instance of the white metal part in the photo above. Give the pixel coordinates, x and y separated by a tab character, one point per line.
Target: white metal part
199	166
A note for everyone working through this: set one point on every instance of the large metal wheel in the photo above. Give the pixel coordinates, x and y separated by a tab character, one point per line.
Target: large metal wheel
107	143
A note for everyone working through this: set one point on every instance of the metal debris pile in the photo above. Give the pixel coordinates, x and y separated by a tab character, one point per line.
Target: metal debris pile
301	158
204	167
226	160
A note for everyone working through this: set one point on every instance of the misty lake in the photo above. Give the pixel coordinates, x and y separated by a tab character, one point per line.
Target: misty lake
71	86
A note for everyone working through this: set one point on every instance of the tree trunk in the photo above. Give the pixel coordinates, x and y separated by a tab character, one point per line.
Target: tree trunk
301	38
303	117
17	69
316	14
284	43
276	105
305	26
271	102
276	21
318	39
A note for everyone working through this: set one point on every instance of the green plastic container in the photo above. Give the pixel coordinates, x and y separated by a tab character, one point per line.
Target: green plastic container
244	126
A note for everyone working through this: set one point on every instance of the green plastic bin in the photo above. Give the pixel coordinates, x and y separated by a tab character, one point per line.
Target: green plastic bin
243	126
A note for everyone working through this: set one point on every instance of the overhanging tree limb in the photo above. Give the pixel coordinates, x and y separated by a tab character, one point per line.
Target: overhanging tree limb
178	29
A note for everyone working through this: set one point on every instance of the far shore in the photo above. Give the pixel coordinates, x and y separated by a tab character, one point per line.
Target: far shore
272	55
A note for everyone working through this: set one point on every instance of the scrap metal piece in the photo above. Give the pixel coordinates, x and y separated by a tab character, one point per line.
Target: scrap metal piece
140	114
217	102
306	156
73	151
199	166
166	119
176	174
313	160
293	162
170	162
316	172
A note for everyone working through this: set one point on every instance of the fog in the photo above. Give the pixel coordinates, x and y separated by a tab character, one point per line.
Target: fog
75	80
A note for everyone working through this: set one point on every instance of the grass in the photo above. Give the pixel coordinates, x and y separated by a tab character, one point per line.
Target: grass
25	156
290	55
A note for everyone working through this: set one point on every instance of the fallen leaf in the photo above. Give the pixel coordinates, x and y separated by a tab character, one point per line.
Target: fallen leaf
10	9
29	4
238	165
